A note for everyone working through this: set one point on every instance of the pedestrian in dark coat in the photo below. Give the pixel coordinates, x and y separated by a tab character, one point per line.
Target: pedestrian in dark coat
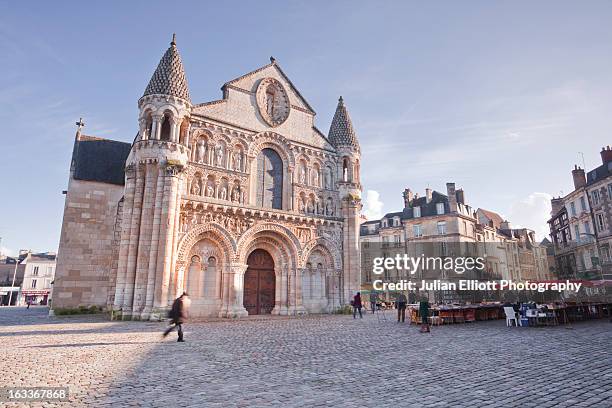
178	315
424	313
400	303
357	305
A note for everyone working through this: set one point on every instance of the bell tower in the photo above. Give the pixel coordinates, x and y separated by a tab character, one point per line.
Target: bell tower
343	137
147	282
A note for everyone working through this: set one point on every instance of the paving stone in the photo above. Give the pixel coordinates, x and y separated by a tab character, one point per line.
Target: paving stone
312	361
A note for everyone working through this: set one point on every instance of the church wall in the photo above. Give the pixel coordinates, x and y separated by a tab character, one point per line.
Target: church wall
86	252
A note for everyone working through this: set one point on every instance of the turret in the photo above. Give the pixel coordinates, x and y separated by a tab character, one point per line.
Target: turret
165	106
342	136
155	179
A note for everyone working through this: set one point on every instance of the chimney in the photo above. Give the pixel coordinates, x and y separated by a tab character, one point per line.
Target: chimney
460	196
606	155
556	204
428	195
452	197
505	225
579	177
408	196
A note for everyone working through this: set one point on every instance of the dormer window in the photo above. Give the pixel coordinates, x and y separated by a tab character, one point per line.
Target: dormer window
396	222
440	208
384	223
416	211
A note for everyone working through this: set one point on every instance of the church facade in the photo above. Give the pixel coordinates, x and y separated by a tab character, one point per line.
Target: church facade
241	202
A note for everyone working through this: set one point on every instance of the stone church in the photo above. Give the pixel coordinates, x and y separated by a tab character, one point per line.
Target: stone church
241	202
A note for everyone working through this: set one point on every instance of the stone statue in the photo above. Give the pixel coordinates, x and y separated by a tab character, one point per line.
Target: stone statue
303	174
345	174
238	161
315	178
224	193
302	206
328	179
195	187
310	208
200	151
220	155
236	194
210	191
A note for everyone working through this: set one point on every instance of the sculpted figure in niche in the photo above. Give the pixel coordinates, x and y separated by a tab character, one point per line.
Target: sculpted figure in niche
345	174
210	191
238	161
310	207
315	178
201	151
303	174
220	156
223	193
328	178
302	206
236	194
195	187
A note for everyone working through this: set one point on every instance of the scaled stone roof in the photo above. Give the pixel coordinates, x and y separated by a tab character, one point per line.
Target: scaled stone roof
169	77
100	160
341	132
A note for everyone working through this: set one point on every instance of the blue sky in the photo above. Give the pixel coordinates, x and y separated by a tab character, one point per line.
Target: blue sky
499	97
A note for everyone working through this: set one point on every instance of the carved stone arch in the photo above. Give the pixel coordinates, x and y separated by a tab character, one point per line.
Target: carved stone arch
274	248
160	110
273	141
213	230
147	108
221	136
325	246
282	233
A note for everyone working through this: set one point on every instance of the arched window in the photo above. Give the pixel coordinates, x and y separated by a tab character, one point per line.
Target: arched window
269	179
166	127
345	169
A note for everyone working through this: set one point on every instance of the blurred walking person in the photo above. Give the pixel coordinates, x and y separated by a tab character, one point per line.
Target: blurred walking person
357	305
373	301
178	315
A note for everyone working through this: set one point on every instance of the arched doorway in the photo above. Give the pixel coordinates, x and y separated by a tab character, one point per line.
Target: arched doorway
259	283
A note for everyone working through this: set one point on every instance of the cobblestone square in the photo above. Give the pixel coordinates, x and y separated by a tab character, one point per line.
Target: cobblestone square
312	361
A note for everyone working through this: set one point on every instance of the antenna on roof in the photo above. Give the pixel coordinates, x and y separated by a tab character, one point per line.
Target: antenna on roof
173	39
583	164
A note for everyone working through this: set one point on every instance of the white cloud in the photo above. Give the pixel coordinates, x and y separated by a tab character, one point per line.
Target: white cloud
532	212
6	251
373	206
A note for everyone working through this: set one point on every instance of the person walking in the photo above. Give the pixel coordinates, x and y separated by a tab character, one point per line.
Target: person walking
424	313
178	315
357	305
373	301
400	304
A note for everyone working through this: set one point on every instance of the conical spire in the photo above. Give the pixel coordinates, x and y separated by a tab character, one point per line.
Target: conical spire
169	77
341	132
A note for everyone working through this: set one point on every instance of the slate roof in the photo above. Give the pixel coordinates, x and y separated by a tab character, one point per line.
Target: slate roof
101	160
341	132
496	218
169	77
599	173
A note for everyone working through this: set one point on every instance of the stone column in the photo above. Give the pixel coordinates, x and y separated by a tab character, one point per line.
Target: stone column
278	291
128	297
298	305
144	242
153	253
128	207
156	131
165	264
233	281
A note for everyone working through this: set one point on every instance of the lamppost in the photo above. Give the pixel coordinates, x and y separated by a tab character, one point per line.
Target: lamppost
13	284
